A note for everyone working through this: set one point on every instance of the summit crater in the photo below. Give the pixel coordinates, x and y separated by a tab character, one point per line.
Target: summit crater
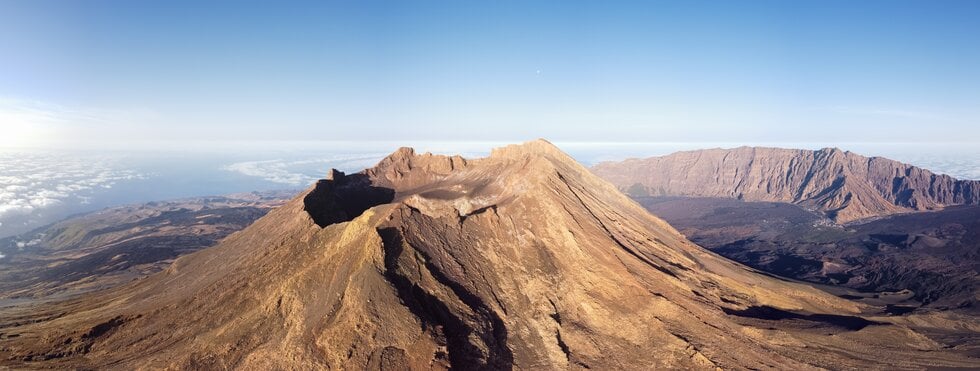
520	260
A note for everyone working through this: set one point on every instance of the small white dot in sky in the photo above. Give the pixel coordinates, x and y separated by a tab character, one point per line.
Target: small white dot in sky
537	72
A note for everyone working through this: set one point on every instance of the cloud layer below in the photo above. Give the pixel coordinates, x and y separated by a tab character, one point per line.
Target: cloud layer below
32	183
302	172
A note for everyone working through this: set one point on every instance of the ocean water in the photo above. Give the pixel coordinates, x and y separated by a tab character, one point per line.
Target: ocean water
38	187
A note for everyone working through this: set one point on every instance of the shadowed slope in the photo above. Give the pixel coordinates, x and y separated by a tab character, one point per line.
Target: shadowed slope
932	254
519	260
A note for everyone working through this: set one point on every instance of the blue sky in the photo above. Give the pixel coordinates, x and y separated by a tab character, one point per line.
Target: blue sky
106	73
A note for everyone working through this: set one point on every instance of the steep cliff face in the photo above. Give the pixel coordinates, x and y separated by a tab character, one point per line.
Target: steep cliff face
521	260
843	185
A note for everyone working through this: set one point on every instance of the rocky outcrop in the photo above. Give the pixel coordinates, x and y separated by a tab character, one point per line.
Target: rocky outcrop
521	260
843	185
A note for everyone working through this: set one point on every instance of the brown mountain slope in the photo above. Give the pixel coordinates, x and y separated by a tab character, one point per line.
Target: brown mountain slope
932	257
519	260
116	245
843	185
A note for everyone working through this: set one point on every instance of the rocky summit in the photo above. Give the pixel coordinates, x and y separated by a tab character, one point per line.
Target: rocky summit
843	185
520	260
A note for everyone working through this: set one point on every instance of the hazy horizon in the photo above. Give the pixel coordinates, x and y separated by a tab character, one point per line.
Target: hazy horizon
38	187
109	102
167	199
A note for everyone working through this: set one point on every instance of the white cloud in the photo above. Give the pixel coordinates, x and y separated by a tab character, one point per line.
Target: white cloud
42	202
961	167
271	170
301	172
15	188
17	206
34	181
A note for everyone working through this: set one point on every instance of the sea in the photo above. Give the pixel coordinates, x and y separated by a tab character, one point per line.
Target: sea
42	186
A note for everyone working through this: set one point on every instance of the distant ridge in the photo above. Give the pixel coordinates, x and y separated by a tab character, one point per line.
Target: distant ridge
843	185
521	260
